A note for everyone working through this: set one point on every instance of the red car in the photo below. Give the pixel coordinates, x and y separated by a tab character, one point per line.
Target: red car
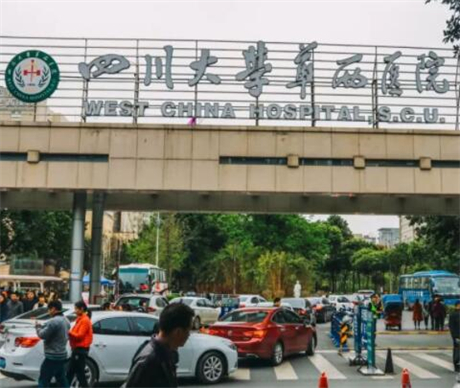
267	333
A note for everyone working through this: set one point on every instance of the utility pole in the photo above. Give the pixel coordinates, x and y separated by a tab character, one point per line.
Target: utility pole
158	240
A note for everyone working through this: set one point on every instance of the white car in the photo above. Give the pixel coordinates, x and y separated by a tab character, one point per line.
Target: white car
253	301
155	303
341	302
41	314
116	338
205	312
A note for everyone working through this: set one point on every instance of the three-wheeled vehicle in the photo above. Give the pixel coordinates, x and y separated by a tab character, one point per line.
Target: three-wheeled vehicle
393	306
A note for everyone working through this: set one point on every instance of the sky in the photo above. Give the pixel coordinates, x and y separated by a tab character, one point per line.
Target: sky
386	22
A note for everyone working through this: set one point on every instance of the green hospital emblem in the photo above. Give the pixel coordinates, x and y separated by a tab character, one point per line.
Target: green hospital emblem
32	76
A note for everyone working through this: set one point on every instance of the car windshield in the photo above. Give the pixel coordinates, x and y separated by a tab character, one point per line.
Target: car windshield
294	302
343	299
246	316
41	314
448	285
133	301
243	298
134	277
315	300
186	301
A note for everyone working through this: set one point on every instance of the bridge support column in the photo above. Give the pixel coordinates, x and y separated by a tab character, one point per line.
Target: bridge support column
78	246
96	245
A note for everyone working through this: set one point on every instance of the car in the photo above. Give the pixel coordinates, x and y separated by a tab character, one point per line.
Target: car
322	308
302	307
41	314
266	333
117	336
341	302
155	303
253	301
205	311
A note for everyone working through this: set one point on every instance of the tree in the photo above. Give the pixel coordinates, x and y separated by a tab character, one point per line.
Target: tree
171	247
439	239
452	31
45	234
342	224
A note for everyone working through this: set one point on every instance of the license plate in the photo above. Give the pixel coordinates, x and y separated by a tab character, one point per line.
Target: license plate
2	363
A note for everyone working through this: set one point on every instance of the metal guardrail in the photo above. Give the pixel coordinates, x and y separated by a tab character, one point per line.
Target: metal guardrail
297	77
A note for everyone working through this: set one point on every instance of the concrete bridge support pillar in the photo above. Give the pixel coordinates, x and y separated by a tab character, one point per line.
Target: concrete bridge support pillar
78	246
96	245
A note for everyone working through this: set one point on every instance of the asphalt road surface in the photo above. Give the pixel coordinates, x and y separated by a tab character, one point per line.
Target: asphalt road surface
427	356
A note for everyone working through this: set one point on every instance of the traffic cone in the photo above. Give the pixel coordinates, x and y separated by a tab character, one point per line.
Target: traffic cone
389	369
405	379
323	381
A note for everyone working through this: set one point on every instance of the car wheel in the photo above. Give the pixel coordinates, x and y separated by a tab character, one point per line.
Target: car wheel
311	347
211	368
197	323
90	373
278	354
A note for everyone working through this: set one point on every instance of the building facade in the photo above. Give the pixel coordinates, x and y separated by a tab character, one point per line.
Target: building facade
388	237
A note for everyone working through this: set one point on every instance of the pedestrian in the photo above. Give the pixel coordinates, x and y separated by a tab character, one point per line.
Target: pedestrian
29	301
15	306
454	327
106	306
277	302
3	308
439	314
154	364
54	334
81	338
41	302
417	314
426	314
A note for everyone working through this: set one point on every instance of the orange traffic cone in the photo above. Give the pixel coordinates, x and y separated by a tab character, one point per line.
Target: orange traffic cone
405	379
323	381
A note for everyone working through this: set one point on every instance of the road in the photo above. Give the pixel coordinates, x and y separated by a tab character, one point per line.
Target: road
426	356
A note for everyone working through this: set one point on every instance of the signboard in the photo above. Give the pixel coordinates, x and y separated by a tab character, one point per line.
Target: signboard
307	82
32	76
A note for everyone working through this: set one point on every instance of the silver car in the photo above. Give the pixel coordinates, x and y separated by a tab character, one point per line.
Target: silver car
116	338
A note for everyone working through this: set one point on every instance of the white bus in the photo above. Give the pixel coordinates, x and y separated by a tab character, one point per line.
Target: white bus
142	278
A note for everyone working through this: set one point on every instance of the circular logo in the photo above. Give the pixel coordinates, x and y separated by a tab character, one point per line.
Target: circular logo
32	76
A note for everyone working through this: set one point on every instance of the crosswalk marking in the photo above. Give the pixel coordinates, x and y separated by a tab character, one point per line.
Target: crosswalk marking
324	365
386	377
285	371
435	360
242	374
413	369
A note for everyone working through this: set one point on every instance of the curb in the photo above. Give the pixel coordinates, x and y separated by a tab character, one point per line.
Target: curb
412	332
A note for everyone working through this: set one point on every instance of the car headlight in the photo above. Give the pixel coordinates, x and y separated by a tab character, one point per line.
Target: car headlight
232	346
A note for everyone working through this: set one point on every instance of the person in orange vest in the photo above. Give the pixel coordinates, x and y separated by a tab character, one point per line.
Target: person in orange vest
81	338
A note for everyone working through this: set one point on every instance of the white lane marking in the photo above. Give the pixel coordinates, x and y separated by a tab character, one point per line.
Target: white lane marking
386	377
285	371
435	360
412	368
324	365
241	374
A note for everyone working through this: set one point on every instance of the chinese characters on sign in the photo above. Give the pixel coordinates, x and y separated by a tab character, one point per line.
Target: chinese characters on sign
254	76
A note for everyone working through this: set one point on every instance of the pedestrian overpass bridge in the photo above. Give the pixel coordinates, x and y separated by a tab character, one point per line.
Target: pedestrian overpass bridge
230	168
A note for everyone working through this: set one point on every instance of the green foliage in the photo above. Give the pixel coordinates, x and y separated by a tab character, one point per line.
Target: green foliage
439	238
45	234
171	246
